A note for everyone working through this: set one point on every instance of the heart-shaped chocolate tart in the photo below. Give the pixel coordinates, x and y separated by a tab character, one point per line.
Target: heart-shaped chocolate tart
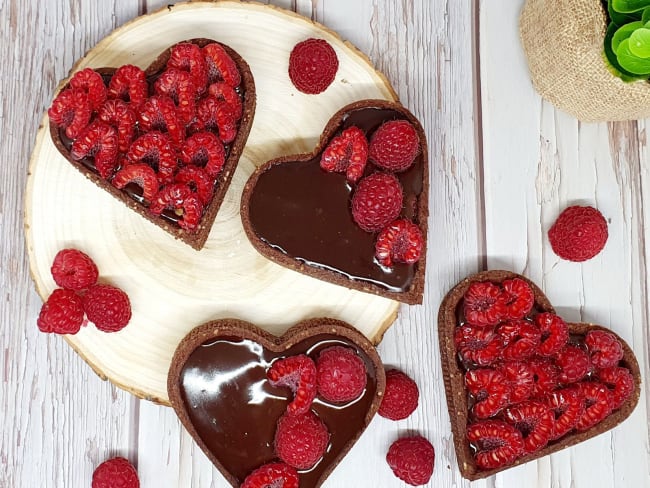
520	382
218	386
165	140
354	211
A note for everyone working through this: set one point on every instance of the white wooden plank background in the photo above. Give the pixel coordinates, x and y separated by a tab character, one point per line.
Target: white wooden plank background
60	420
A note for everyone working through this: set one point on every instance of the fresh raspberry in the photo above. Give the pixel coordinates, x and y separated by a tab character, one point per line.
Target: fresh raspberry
312	66
225	93
496	442
484	304
299	374
204	149
568	405
220	65
272	475
62	313
182	201
74	270
155	149
301	440
605	349
71	110
545	376
347	153
118	114
521	379
99	142
189	57
521	339
478	345
142	175
401	396
92	83
490	389
578	234
159	113
412	460
401	242
377	201
178	85
198	180
598	404
129	83
534	420
115	473
341	374
107	307
620	382
217	117
394	145
519	298
555	333
574	363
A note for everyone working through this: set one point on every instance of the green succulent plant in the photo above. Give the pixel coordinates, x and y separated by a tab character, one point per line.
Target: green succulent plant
627	41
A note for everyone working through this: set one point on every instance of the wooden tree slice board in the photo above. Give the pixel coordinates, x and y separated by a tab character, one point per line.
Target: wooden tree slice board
172	287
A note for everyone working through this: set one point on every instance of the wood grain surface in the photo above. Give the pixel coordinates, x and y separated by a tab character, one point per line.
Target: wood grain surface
503	164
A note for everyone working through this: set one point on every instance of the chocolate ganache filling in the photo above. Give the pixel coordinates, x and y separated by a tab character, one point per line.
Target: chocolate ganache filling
304	211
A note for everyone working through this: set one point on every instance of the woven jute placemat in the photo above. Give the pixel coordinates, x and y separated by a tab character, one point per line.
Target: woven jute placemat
563	42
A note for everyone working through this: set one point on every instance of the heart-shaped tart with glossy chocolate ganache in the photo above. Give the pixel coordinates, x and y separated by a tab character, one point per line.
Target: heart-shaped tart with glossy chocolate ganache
520	382
354	211
164	140
286	409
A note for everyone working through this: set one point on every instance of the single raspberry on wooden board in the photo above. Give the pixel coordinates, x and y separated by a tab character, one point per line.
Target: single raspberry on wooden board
578	234
62	313
299	374
377	201
401	396
74	270
301	440
394	145
107	307
117	472
412	460
313	65
272	475
341	374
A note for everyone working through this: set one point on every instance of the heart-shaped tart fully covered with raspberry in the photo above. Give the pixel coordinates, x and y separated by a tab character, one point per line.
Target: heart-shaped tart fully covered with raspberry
283	410
520	382
164	140
352	212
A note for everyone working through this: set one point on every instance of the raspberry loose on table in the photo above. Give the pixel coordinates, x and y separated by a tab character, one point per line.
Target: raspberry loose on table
412	460
578	234
74	270
117	472
312	66
401	396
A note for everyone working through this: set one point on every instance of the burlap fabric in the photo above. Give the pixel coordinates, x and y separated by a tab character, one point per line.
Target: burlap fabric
563	41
